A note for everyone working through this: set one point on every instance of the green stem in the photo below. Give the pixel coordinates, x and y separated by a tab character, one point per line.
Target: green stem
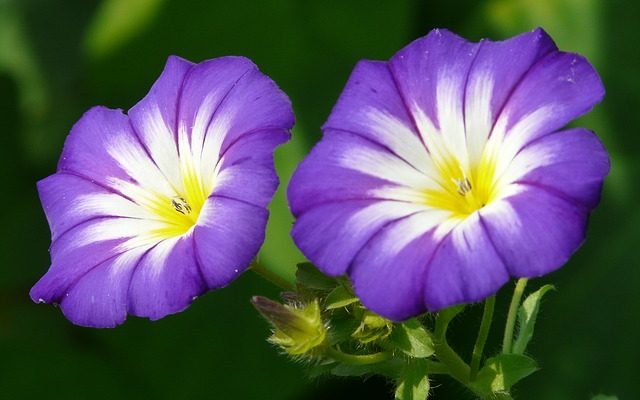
271	276
357	359
436	368
458	369
513	313
483	333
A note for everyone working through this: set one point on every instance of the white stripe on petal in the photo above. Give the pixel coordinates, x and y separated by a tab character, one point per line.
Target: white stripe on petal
450	117
212	147
379	211
201	122
433	139
109	204
156	259
405	231
160	141
117	228
383	165
511	141
126	261
137	164
400	193
394	134
478	115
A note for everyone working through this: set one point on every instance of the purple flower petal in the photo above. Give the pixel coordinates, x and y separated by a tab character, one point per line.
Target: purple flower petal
344	166
148	212
166	280
227	237
499	67
331	235
370	106
103	148
573	163
99	299
154	118
420	66
465	267
80	249
246	168
535	231
388	273
69	200
510	60
557	89
463	131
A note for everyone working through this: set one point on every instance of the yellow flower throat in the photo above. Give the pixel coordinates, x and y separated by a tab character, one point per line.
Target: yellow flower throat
180	212
463	192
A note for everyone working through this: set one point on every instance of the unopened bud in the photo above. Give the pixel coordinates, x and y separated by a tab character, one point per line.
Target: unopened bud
372	327
298	329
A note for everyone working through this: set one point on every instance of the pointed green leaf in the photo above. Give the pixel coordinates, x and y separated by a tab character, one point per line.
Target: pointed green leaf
604	397
310	277
339	297
413	339
527	315
500	373
414	383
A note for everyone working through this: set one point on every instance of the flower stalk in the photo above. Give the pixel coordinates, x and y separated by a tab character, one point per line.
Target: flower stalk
357	359
483	334
511	316
458	369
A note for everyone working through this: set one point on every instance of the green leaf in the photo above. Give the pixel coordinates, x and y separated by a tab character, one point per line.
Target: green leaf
413	339
339	297
414	383
604	397
500	373
527	315
310	277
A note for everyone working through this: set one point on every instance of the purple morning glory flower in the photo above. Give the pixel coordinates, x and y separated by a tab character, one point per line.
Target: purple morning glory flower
446	171
150	210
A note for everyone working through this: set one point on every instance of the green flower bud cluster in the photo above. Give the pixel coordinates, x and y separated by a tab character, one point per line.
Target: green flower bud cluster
324	323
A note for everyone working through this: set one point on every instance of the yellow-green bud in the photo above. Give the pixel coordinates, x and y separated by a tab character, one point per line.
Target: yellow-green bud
297	329
372	327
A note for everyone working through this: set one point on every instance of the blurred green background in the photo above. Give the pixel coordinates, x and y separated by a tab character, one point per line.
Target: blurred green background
58	58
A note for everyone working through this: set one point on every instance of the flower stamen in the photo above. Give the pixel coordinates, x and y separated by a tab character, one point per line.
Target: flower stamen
181	205
464	186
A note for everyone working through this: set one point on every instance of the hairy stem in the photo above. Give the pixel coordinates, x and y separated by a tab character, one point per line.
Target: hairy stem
357	359
457	368
513	313
436	368
483	334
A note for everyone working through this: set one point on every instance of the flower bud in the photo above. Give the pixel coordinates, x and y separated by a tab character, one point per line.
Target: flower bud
297	329
372	327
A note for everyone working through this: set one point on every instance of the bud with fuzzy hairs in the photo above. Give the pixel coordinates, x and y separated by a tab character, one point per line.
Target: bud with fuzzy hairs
298	329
